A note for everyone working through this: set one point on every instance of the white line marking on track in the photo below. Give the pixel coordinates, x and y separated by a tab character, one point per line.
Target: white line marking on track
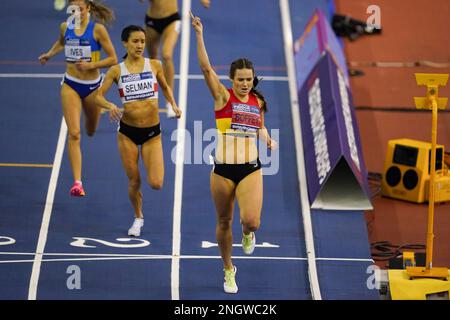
179	165
190	76
5	241
32	290
81	243
301	172
207	244
119	256
32	75
153	257
346	259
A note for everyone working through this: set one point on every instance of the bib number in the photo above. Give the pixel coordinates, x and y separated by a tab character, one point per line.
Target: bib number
77	53
245	118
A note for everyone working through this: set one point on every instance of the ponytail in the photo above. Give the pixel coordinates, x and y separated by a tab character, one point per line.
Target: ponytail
101	12
259	94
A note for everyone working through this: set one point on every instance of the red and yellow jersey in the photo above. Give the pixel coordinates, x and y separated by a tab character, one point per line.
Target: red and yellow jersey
239	118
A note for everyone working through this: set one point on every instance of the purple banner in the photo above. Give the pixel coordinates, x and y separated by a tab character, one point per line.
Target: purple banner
331	139
317	39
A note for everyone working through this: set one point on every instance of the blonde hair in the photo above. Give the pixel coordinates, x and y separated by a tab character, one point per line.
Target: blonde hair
100	12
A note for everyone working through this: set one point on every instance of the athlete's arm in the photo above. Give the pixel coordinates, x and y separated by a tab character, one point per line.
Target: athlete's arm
263	134
102	36
111	76
217	89
57	47
105	41
168	94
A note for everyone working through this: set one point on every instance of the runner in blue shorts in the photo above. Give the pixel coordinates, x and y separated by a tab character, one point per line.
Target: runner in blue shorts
82	40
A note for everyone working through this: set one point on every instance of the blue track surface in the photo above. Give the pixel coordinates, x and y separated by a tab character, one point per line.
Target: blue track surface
110	268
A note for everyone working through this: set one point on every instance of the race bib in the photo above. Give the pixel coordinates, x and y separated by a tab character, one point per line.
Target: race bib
139	86
245	118
77	49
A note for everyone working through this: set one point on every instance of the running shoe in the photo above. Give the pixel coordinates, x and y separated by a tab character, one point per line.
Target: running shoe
135	229
230	286
77	190
248	242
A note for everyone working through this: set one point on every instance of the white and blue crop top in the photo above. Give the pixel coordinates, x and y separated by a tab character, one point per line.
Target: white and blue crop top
137	86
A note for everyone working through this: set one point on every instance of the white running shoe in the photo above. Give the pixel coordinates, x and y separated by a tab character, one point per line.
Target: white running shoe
170	112
135	229
230	286
59	4
248	243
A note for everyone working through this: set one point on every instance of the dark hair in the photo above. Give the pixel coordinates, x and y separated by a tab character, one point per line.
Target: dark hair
100	12
244	63
127	31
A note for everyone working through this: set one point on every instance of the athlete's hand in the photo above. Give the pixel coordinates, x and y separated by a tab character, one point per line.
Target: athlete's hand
83	65
115	114
197	24
43	58
177	111
205	3
272	144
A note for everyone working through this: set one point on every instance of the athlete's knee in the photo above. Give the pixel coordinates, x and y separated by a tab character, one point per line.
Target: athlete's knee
134	183
74	135
167	56
224	223
155	183
251	224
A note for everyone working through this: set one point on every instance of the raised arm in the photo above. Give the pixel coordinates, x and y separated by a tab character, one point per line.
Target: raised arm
57	47
111	76
217	89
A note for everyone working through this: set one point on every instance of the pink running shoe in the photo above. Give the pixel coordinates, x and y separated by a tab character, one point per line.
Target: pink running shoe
77	190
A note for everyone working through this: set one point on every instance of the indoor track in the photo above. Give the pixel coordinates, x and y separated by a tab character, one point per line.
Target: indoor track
46	236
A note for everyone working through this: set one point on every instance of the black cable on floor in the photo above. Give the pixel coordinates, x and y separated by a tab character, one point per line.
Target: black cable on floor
384	250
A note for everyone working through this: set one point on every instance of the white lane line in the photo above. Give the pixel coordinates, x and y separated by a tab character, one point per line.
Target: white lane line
189	77
152	257
346	259
306	213
118	256
32	75
179	165
208	244
77	254
264	244
90	259
32	290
